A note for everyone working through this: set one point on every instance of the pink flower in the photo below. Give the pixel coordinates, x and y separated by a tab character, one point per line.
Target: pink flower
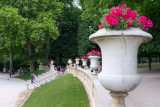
119	12
100	26
77	58
133	14
127	15
123	5
115	21
70	59
85	57
121	15
150	23
129	24
94	52
143	18
145	29
113	8
102	21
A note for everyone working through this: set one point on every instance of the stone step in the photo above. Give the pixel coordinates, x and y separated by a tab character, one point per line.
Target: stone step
42	80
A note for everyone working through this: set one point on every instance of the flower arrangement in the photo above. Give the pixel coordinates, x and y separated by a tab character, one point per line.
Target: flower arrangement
85	57
52	60
122	18
77	58
70	59
93	53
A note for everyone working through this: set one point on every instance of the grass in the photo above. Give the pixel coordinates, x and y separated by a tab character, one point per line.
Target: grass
66	91
27	76
145	65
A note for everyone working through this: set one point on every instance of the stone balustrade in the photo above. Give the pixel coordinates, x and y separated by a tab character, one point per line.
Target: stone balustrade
98	96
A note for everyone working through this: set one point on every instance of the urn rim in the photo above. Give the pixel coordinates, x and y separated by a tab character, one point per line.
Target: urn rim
130	32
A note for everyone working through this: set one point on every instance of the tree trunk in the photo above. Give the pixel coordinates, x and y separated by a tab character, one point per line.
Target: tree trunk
47	47
30	50
149	62
11	61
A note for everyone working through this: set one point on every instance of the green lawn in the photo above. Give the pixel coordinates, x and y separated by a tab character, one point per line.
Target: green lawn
66	91
27	76
145	65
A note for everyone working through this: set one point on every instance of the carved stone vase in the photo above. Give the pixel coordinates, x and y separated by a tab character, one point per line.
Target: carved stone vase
119	60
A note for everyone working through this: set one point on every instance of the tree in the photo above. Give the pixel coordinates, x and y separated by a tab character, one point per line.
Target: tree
84	31
66	46
11	32
34	10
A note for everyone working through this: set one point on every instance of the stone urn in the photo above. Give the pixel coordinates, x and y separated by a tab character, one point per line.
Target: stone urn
94	63
52	62
77	61
84	63
70	62
119	60
52	66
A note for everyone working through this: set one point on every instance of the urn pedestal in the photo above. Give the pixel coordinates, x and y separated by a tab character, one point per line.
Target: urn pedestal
52	62
94	63
70	62
84	63
77	62
119	60
52	66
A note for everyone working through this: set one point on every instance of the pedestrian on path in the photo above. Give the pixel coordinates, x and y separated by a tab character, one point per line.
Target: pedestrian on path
34	77
10	74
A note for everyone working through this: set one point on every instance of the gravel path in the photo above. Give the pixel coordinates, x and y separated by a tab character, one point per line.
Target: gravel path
147	93
10	90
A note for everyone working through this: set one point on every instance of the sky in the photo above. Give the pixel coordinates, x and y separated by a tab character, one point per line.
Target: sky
76	3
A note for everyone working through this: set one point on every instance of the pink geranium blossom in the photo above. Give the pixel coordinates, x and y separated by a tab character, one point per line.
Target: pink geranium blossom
100	26
123	5
129	24
70	59
115	21
77	58
85	57
133	14
123	17
94	53
150	23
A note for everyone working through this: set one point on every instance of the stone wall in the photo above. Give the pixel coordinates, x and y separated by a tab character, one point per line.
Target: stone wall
42	67
98	96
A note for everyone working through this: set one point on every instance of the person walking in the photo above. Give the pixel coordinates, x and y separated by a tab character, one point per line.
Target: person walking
10	74
34	77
